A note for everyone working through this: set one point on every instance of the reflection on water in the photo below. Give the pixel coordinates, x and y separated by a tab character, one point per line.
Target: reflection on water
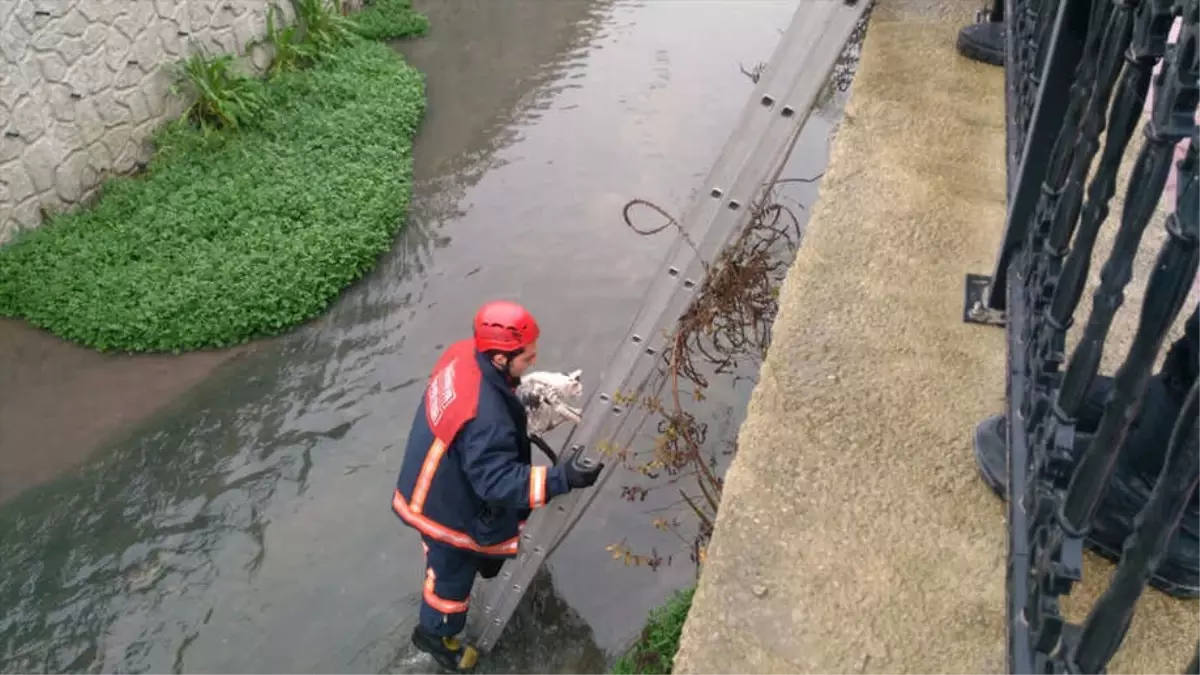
248	528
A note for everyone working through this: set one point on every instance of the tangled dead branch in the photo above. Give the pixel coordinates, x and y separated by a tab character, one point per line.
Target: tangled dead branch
727	324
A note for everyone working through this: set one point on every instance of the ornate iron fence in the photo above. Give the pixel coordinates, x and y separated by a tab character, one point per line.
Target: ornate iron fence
1111	463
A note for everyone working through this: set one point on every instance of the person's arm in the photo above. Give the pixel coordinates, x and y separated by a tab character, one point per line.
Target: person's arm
493	466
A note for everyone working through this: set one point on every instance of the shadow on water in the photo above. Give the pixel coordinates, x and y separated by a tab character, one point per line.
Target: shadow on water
247	528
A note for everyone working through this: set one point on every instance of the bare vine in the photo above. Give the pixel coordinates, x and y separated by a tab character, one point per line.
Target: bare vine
727	323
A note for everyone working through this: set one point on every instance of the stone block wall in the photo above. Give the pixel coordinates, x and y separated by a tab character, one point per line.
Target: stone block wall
83	85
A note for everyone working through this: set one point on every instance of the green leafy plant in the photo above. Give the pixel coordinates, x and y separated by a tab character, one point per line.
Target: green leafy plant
387	19
654	651
220	97
289	50
326	27
228	237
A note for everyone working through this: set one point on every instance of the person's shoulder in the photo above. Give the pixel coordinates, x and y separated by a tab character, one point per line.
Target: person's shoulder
492	407
490	398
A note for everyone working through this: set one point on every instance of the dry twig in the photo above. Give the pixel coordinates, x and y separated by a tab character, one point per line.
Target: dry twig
728	323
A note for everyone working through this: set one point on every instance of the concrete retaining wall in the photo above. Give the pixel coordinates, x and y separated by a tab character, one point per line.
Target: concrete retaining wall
82	86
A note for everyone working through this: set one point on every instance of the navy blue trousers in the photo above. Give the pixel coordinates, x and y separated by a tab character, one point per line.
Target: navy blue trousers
449	575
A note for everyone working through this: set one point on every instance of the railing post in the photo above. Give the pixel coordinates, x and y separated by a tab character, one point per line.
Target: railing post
1053	97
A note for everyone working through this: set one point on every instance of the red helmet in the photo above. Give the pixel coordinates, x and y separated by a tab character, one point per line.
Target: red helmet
504	326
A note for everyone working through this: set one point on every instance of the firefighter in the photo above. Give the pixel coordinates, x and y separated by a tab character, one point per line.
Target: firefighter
467	483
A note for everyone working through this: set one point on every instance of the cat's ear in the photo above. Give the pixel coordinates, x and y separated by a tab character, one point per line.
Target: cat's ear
574	375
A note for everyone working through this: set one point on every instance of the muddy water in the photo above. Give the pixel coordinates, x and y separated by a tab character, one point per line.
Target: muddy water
246	527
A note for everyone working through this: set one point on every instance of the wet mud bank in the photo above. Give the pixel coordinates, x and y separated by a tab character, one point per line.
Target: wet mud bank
60	402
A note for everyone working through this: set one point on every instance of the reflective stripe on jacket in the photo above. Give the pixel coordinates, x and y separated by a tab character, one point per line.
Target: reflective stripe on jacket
467	478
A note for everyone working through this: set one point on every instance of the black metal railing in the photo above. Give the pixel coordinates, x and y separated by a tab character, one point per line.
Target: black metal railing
1110	463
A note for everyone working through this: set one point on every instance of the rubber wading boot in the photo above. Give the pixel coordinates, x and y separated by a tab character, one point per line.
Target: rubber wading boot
447	651
1178	571
983	42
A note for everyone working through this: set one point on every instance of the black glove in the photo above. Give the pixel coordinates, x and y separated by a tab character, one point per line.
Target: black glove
580	478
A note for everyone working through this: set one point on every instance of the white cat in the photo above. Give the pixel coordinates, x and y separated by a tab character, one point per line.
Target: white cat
546	395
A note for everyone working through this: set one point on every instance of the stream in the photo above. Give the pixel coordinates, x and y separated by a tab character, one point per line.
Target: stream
246	526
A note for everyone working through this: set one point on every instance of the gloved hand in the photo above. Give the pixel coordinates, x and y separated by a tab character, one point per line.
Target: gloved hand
580	478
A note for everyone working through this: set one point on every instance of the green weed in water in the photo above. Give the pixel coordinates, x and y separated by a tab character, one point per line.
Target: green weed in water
227	237
654	651
387	19
321	28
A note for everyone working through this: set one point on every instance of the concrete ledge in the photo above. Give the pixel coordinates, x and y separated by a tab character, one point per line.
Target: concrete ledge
855	535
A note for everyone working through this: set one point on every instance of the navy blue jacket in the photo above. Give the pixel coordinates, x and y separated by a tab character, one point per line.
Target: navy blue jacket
467	479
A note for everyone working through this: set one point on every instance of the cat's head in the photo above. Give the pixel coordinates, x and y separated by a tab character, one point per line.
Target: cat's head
565	385
574	384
